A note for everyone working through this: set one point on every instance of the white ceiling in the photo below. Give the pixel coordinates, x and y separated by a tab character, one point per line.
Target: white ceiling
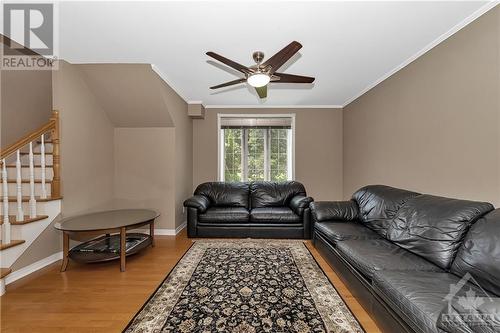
347	46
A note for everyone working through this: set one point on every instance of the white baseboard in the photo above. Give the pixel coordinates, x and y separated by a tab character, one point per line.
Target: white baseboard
163	232
20	273
179	228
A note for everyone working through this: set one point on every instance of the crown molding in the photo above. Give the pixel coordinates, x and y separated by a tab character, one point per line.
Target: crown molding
246	106
168	82
469	19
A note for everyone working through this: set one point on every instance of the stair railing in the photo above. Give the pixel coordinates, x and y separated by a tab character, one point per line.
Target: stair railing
52	128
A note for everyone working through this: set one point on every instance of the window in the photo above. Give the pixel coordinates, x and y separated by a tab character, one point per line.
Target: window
253	149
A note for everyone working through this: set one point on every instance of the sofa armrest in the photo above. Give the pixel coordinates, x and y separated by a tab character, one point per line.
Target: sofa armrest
200	202
307	223
334	210
192	222
299	203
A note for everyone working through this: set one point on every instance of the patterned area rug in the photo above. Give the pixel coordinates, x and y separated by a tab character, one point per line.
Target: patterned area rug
245	286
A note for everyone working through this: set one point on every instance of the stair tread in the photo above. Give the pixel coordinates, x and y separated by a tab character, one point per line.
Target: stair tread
4	272
26	219
12	243
27	166
27	181
35	153
37	198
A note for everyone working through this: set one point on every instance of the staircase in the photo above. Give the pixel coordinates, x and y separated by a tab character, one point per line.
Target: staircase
31	192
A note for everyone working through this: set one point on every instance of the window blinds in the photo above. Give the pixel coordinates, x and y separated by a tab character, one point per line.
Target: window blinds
264	122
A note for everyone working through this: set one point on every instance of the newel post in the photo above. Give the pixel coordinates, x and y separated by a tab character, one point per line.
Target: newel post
56	164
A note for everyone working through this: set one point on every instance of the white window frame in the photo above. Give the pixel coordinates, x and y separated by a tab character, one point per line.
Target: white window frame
220	141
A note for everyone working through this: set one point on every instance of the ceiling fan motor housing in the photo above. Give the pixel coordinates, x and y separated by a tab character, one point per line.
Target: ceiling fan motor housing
258	56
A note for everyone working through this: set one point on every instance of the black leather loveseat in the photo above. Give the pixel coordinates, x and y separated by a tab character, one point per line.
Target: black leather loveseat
416	262
255	209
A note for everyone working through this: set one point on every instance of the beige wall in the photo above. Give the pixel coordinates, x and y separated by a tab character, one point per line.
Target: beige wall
46	244
25	100
145	113
153	166
145	170
318	148
434	126
128	93
26	103
87	163
183	154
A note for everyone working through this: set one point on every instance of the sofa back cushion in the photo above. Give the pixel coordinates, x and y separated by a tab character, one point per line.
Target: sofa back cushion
479	254
434	227
334	211
225	194
378	204
274	194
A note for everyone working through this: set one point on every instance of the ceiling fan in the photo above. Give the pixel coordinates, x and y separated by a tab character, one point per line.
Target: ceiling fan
260	74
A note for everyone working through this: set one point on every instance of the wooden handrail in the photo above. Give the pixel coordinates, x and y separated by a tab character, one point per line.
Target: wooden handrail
51	126
27	139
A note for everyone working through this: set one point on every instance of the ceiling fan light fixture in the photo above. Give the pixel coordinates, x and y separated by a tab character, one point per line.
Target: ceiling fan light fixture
258	80
260	74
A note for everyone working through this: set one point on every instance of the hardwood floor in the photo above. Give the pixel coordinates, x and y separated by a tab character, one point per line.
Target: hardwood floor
98	298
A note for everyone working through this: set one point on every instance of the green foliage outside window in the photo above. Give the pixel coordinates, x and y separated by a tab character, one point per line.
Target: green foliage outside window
255	155
279	156
232	155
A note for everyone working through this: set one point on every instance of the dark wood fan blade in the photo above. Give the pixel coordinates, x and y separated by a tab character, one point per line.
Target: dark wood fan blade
277	60
230	63
261	91
290	78
230	83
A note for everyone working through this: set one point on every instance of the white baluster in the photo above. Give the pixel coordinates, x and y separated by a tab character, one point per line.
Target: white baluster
32	202
6	221
42	162
19	189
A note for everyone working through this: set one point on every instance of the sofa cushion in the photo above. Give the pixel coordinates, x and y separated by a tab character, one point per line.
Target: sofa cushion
434	227
222	194
225	215
274	215
274	194
418	297
336	231
378	204
335	210
479	254
370	256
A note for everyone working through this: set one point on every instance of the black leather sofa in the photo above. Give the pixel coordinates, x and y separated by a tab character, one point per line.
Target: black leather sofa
416	262
255	209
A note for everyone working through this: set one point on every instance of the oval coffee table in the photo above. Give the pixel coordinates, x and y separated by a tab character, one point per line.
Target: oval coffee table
107	247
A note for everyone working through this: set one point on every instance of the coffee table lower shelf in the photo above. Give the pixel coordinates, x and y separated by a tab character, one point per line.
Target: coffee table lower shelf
112	252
